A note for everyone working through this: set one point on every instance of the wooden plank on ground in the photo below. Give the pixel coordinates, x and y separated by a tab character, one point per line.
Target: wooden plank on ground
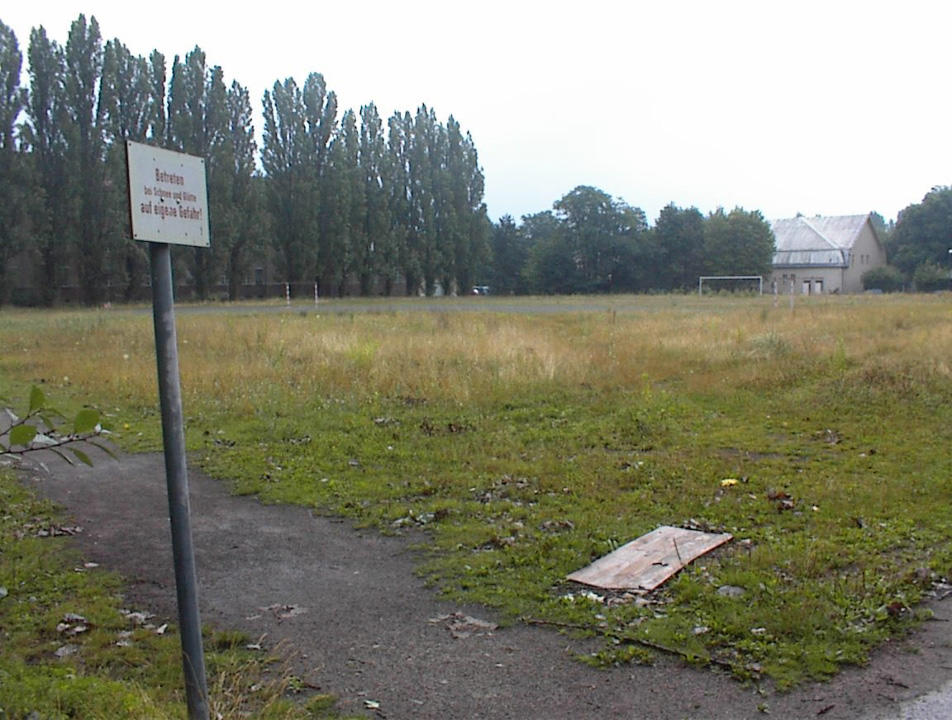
648	561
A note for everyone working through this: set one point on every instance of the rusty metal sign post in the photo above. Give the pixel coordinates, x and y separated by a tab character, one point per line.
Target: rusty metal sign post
168	204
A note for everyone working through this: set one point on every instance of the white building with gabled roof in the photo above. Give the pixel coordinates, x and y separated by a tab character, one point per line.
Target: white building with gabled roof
817	255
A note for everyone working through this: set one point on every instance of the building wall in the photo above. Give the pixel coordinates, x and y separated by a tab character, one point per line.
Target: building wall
867	253
806	280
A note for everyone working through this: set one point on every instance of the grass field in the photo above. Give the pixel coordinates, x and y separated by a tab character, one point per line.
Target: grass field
529	443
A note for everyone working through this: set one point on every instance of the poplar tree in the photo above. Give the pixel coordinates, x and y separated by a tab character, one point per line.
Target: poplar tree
86	152
14	178
132	104
376	231
297	128
335	250
359	253
48	135
292	187
198	124
424	173
473	253
320	107
242	220
402	255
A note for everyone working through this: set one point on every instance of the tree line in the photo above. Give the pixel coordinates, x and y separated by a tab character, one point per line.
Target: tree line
349	200
918	246
593	243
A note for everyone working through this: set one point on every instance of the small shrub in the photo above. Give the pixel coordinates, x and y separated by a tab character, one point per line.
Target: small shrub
930	277
886	278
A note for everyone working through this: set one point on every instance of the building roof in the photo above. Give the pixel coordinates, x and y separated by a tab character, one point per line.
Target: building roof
817	241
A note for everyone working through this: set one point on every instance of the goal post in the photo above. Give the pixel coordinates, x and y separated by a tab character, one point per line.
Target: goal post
702	278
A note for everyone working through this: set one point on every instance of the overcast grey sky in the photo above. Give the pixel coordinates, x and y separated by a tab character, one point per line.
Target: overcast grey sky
784	107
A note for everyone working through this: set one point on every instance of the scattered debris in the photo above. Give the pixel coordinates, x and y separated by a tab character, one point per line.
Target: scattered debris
584	595
42	527
731	591
941	589
136	617
648	561
419	520
557	525
283	611
463	626
829	436
65	651
728	482
72	625
782	499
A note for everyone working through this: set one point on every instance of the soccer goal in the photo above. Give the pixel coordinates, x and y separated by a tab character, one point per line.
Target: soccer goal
734	282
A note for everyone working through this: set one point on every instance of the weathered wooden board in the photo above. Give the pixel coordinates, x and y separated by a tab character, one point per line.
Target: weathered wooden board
645	563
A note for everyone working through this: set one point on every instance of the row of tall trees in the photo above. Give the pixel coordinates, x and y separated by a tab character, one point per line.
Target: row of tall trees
591	242
351	200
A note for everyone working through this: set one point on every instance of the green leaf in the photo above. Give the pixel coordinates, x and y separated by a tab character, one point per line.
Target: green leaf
83	457
104	448
22	435
86	421
37	399
63	455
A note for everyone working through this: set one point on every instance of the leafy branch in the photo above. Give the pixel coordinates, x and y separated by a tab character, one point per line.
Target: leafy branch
42	428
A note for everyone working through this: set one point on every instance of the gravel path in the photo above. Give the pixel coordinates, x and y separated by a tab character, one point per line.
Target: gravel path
364	627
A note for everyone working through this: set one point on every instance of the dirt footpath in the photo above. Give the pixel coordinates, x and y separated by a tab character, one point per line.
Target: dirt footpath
365	628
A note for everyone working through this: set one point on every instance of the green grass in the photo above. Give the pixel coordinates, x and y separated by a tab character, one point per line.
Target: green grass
528	445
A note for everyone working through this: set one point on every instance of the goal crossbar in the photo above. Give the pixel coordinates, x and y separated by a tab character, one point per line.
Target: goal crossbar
702	278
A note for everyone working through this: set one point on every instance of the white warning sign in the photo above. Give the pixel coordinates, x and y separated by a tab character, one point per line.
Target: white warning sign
168	201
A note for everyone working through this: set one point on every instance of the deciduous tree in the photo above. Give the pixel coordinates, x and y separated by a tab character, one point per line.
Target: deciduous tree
737	243
923	233
679	242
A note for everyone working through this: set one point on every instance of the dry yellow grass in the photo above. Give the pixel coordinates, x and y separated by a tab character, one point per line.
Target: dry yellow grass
243	360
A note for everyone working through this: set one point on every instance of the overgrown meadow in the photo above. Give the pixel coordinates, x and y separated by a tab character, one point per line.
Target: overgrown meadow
529	443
